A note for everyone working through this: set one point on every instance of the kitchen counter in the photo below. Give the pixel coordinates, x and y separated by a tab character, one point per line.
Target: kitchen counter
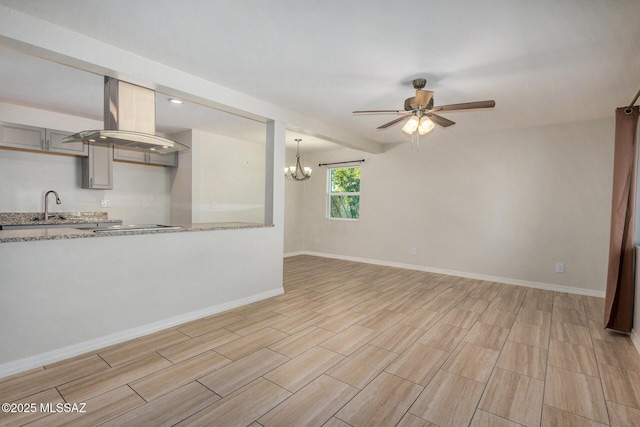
55	218
74	233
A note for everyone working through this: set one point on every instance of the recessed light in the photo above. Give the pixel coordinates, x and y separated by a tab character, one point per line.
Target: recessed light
175	101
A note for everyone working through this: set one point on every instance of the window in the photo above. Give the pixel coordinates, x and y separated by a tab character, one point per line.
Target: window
344	193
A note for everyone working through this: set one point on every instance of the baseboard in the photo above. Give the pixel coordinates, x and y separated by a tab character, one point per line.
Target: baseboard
505	280
296	253
635	339
38	360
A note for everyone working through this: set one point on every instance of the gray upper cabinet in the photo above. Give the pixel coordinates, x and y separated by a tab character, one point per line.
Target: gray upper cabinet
53	142
38	139
20	136
146	157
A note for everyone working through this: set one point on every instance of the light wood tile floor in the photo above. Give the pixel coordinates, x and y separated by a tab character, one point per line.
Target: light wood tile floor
352	344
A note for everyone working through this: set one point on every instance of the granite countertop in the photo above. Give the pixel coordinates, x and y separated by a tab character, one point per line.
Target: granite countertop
7	236
55	218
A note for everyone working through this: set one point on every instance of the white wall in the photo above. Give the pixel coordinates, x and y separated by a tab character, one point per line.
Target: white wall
231	180
506	205
60	298
293	206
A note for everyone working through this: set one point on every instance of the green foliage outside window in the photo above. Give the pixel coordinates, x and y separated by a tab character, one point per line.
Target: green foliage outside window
344	196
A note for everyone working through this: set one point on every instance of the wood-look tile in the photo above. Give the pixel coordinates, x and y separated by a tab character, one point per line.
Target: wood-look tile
98	409
103	381
538	300
162	382
448	400
254	324
135	348
565	315
168	409
576	393
503	319
362	366
349	340
440	304
334	422
472	361
17	386
574	334
573	357
620	385
298	372
302	341
410	420
11	419
594	308
300	307
313	405
470	303
569	303
335	307
505	304
512	292
534	335
341	321
372	305
231	377
617	354
418	364
442	336
233	410
489	336
515	397
421	319
397	338
382	320
405	305
383	402
534	317
621	415
248	344
299	322
554	417
523	359
598	332
460	318
485	419
209	324
192	347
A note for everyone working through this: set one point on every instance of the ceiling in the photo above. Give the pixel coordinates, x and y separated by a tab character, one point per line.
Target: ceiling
543	62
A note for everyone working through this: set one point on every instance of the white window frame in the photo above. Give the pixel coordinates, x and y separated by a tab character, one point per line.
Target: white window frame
330	193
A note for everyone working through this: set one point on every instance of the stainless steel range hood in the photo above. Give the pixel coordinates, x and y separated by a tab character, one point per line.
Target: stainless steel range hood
129	120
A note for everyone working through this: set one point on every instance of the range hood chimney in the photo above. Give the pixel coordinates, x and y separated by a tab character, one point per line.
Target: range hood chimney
129	120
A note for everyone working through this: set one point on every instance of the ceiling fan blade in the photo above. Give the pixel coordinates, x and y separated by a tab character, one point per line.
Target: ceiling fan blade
393	122
465	106
380	112
439	120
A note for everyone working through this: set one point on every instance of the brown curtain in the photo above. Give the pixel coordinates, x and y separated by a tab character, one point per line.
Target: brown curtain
618	304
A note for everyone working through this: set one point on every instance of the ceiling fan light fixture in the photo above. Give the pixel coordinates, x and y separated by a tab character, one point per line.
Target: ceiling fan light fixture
411	126
425	126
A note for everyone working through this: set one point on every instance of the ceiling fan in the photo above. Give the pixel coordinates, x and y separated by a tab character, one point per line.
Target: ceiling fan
419	111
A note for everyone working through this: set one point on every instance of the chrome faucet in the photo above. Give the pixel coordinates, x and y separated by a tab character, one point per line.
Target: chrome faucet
46	203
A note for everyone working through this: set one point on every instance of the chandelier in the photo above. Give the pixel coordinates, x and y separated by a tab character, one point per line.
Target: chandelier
297	172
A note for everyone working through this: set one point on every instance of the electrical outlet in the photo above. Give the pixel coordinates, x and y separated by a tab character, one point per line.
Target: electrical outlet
316	241
414	251
105	203
559	267
145	203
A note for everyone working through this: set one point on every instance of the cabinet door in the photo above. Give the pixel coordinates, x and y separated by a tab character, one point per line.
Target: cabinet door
170	159
54	143
97	168
19	136
128	155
